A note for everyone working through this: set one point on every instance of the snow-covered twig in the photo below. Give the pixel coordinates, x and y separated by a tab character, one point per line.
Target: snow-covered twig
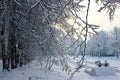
50	6
17	2
80	65
34	5
106	4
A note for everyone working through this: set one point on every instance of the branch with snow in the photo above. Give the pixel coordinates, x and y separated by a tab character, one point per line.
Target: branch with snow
17	2
110	5
80	65
36	4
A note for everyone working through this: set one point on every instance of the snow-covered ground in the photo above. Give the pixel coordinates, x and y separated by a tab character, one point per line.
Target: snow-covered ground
36	72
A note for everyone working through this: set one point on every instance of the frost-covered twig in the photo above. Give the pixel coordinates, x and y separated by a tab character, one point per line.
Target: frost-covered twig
105	5
110	5
37	3
80	65
17	2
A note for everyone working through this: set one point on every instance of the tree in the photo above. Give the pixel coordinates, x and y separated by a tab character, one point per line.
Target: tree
115	42
8	33
98	42
29	25
110	6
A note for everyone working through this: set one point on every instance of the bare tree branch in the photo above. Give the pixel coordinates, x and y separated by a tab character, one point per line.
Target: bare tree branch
80	65
17	2
36	4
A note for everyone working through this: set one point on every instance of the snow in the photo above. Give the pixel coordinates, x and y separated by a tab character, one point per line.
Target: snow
36	72
103	71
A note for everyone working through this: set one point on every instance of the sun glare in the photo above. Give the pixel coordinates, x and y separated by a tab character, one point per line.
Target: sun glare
70	21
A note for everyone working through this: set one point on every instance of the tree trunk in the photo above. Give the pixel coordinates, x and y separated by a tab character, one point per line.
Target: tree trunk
8	34
5	32
4	44
12	36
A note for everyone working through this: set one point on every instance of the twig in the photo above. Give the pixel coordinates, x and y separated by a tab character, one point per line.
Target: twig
17	2
82	59
37	3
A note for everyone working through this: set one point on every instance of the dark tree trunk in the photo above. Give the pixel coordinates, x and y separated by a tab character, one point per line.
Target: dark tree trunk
12	36
4	55
12	46
8	34
4	33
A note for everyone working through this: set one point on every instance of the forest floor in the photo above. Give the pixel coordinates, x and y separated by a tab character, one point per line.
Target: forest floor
35	72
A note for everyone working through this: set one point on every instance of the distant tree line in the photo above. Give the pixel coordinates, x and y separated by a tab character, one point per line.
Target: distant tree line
104	44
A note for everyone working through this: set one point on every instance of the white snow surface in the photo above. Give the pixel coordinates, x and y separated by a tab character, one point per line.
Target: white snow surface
35	72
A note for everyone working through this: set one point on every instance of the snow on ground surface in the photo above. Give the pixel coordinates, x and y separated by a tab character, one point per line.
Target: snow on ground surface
36	72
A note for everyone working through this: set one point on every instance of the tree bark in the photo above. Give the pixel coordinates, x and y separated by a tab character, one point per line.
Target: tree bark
8	34
12	36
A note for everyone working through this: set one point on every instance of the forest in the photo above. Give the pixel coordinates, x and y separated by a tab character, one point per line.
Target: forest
40	30
105	43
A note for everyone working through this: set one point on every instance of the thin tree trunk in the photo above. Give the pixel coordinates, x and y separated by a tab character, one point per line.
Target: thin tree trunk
4	44
5	33
12	36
